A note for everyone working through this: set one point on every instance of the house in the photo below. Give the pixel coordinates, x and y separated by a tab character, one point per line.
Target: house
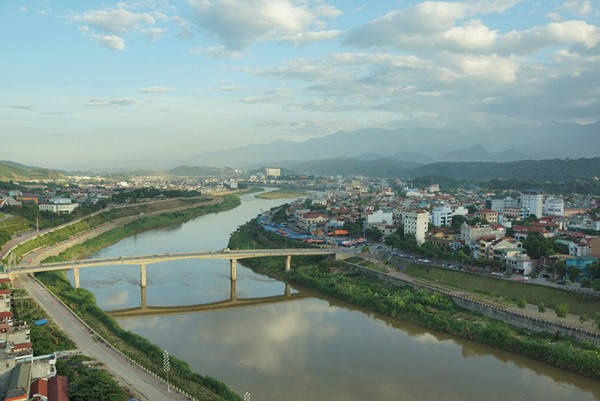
416	223
582	263
306	220
488	215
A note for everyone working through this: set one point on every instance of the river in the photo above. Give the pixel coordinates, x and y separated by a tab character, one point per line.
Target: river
310	348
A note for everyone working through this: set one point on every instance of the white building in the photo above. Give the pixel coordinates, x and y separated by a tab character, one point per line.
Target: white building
381	216
58	206
416	223
554	207
441	216
499	203
532	202
272	172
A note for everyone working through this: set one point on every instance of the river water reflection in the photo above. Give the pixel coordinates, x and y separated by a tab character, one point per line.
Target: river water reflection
305	349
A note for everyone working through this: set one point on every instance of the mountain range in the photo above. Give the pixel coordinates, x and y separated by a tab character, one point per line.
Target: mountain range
420	145
11	171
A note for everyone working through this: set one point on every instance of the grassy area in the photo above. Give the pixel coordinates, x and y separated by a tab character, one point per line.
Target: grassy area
281	193
91	222
365	263
14	224
578	303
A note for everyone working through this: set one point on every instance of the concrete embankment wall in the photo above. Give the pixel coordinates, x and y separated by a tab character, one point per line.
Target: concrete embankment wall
527	322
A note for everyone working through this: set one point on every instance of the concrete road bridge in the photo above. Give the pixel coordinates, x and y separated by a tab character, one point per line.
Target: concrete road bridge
142	261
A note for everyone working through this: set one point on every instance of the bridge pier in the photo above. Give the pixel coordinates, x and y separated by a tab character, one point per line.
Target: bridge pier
76	276
288	290
143	298
288	263
143	275
233	290
233	269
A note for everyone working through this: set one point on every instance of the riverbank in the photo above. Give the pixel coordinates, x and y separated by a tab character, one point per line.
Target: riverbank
282	193
137	348
431	310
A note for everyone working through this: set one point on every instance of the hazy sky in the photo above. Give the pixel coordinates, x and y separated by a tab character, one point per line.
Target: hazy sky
90	83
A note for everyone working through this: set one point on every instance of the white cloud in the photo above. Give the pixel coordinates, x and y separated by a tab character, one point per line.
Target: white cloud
216	52
492	68
114	20
23	9
271	96
155	89
581	8
303	38
154	33
96	102
112	42
473	35
239	23
571	32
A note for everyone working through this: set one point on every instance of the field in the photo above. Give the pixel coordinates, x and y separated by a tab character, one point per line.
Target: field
13	224
578	303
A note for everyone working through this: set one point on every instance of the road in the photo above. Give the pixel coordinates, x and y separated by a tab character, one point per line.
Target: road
145	385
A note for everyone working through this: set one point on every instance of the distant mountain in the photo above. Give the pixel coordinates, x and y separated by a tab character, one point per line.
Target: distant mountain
555	170
354	144
11	171
422	145
201	171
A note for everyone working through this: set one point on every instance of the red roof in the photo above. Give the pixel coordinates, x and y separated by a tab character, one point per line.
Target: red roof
4	292
4	315
58	389
4	280
39	387
23	345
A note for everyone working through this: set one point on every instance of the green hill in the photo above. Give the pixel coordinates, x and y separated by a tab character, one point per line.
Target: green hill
10	171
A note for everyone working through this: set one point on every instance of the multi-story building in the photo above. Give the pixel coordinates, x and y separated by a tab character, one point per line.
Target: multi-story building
416	223
272	172
381	216
488	215
554	207
441	216
532	203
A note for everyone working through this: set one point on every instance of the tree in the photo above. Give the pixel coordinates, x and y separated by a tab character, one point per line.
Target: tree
586	283
573	273
596	284
472	209
597	319
373	234
522	303
541	307
537	246
561	310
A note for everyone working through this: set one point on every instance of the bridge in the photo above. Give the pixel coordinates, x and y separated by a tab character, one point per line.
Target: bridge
142	261
233	302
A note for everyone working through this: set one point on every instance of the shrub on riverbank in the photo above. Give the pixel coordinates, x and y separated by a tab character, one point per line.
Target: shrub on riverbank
432	310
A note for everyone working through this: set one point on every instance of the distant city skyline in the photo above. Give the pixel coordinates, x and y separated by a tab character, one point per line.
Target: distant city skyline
146	83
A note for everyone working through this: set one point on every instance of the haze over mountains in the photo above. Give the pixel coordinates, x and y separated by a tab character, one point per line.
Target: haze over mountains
421	145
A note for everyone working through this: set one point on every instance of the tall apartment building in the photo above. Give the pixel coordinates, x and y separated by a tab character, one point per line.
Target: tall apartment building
532	202
441	216
416	223
554	207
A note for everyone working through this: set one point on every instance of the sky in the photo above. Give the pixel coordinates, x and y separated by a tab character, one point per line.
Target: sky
89	84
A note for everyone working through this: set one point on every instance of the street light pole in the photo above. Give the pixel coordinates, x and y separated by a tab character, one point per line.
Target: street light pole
167	367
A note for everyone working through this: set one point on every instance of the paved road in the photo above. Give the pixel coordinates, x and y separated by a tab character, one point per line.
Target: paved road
146	386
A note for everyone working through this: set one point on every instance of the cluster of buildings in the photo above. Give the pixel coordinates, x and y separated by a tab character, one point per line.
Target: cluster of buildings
24	377
489	227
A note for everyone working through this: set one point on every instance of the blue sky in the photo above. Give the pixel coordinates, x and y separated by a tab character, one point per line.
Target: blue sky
154	82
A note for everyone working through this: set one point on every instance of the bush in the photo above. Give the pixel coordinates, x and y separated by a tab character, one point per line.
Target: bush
541	307
522	303
596	284
561	310
583	318
586	283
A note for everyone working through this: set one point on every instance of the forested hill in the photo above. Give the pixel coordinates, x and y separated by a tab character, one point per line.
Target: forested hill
13	171
555	169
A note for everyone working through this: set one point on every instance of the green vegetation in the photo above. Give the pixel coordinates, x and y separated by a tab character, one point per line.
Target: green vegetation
14	171
577	303
83	303
561	310
145	223
432	310
522	303
365	263
87	383
94	221
47	338
541	307
151	193
281	193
